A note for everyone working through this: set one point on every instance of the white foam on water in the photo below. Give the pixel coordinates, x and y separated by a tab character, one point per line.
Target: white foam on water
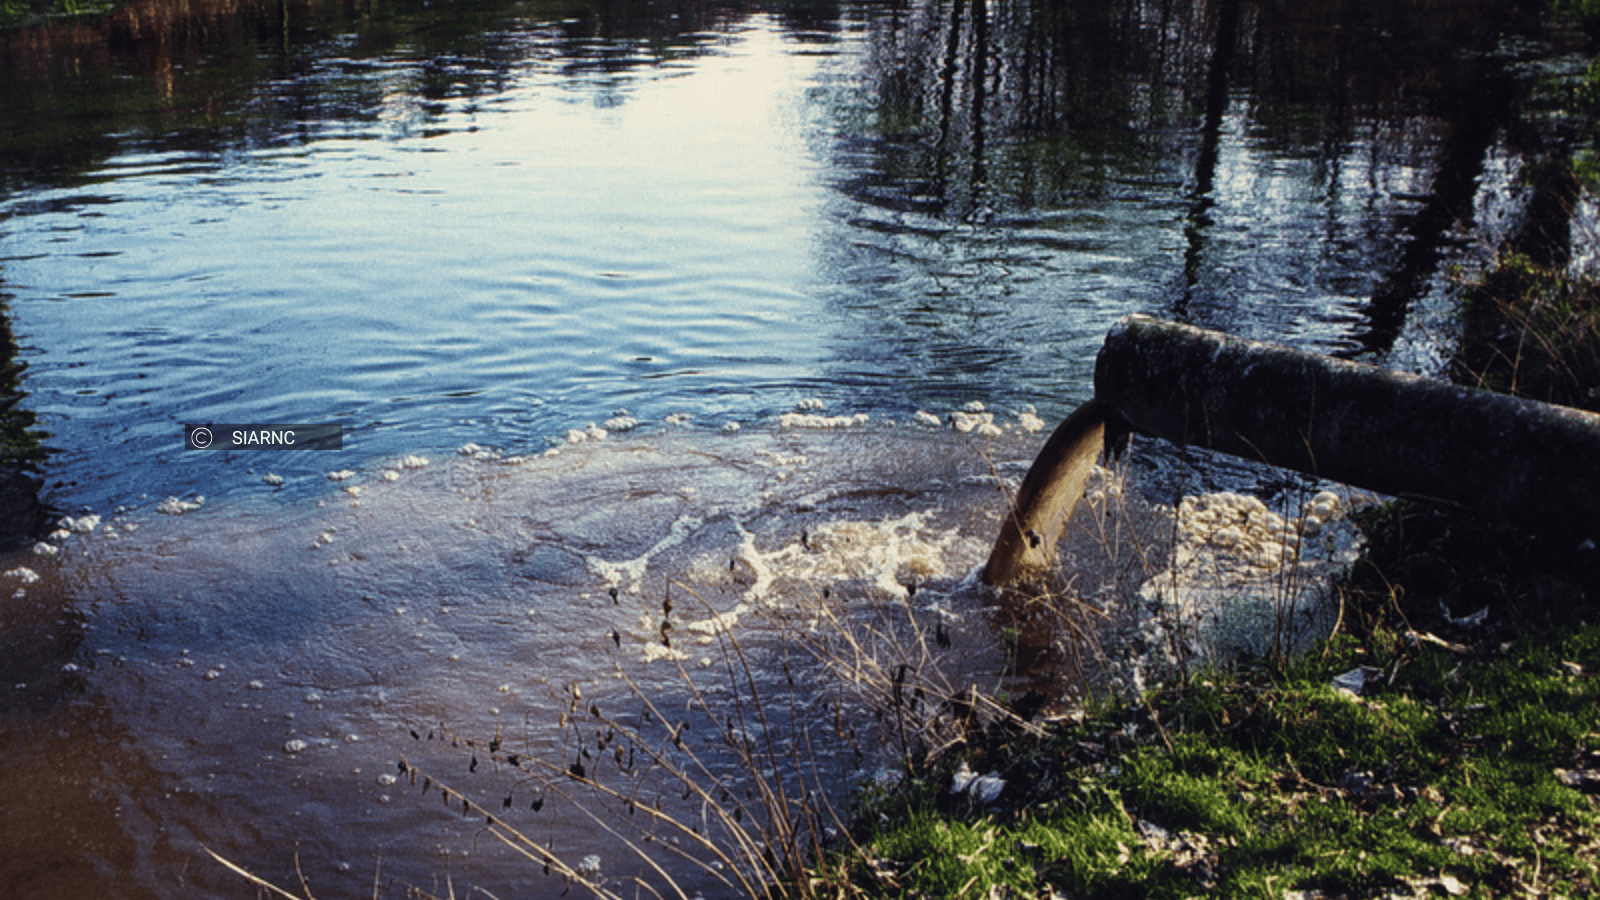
628	575
467	593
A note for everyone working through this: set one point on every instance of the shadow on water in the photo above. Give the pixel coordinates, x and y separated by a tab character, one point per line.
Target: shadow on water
22	516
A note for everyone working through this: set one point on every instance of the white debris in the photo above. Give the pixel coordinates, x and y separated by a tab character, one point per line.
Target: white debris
27	575
620	422
389	475
984	789
576	436
1468	621
595	432
678	418
341	475
1030	422
1355	680
412	461
43	549
294	746
730	427
973	406
272	479
810	403
469	449
927	418
82	525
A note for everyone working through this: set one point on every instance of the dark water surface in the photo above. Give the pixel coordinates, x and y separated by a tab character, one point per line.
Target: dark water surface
497	222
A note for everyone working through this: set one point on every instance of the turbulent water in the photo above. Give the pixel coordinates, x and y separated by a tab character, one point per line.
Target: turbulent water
248	679
750	243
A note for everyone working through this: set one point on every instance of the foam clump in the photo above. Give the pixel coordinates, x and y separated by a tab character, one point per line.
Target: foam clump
412	461
27	575
1252	537
1242	574
654	651
928	418
341	475
1029	422
975	421
812	420
592	433
620	421
1319	510
173	506
882	556
272	479
81	525
810	404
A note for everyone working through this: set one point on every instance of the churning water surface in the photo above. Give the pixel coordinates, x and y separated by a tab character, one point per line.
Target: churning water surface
500	223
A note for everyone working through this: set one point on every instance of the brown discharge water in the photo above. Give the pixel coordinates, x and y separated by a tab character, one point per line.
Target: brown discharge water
248	678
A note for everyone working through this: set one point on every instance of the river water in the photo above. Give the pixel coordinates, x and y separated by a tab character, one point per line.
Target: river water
500	224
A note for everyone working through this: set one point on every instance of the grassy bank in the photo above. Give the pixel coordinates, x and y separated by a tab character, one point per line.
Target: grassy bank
1451	760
